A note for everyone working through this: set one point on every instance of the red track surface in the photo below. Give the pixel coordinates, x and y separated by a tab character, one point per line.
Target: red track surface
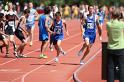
33	69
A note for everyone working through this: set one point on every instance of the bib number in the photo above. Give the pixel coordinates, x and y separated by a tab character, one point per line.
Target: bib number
58	30
90	25
11	23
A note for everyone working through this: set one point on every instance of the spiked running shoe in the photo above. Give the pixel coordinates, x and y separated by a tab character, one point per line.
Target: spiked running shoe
43	56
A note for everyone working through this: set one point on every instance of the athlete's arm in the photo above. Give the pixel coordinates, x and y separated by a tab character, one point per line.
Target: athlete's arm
82	20
22	23
65	25
1	32
48	24
99	28
36	15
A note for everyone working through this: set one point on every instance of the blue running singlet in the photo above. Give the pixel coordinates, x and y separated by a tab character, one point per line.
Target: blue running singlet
58	28
43	34
30	21
90	29
101	15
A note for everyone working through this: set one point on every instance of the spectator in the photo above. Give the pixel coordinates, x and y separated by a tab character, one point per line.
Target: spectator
115	30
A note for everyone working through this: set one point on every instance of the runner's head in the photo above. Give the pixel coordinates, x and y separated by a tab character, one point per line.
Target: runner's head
91	9
26	12
47	10
10	6
30	5
58	16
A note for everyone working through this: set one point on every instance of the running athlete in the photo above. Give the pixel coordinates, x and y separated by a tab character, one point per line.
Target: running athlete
31	19
3	36
88	29
45	22
2	18
51	28
101	17
5	43
1	24
19	33
11	17
59	36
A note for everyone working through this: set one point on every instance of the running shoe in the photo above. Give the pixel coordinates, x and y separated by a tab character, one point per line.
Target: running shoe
63	53
31	43
22	55
51	48
43	56
7	55
56	59
80	53
81	62
16	54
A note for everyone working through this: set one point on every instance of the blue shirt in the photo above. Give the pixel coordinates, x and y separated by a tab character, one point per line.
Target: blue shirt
32	11
30	20
42	29
58	28
90	25
101	15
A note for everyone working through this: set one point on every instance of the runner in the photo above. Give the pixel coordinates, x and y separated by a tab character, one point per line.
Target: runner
31	22
5	43
101	17
59	36
44	24
2	35
88	28
19	33
2	18
11	17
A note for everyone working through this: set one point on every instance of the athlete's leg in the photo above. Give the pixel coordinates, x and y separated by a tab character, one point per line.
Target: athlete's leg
21	47
44	46
31	35
6	44
58	47
82	49
88	46
13	42
51	43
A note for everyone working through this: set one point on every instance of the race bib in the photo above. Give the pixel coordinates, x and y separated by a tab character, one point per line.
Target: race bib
11	23
57	30
90	25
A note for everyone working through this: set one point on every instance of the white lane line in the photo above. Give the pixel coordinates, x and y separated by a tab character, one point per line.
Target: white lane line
37	50
25	75
82	66
10	70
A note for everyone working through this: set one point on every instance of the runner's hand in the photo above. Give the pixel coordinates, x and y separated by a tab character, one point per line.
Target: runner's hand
53	33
